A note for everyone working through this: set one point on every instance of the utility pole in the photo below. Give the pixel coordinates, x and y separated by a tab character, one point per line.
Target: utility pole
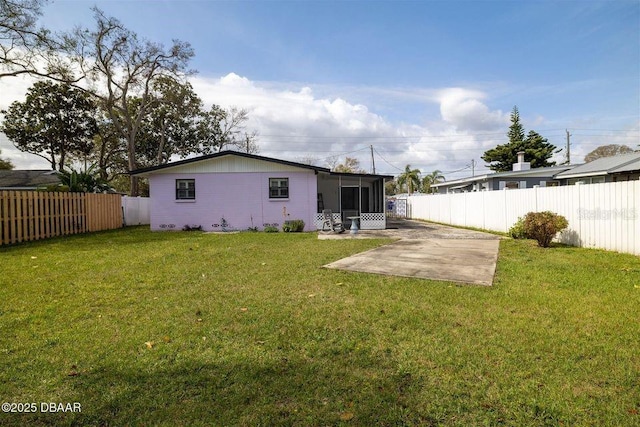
568	147
473	167
373	160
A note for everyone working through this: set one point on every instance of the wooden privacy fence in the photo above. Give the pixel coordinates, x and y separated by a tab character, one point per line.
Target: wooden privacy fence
34	215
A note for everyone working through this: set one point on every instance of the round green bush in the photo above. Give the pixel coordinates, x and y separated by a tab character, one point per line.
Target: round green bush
543	226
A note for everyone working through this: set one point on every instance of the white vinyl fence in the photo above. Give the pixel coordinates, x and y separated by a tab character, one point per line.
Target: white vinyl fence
135	210
605	216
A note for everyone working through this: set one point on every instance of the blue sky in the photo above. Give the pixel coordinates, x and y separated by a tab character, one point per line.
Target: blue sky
427	83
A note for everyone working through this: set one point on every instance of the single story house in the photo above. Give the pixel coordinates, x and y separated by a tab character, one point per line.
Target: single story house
623	167
27	179
522	176
238	191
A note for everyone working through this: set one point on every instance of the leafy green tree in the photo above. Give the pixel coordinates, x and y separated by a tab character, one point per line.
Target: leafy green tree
607	151
391	187
170	127
5	164
409	179
55	122
109	154
434	177
537	149
177	124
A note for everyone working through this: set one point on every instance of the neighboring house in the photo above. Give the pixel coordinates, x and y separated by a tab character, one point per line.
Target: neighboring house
235	190
27	179
623	167
522	176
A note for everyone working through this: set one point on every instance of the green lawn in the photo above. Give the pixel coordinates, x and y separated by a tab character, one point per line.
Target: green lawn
188	328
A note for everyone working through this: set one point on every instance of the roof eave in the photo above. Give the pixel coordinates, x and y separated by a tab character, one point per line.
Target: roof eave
144	172
361	175
469	180
579	175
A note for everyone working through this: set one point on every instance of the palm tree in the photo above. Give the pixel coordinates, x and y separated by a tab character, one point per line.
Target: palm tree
433	178
410	178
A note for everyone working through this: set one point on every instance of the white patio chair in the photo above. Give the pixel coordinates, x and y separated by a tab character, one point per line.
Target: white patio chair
330	225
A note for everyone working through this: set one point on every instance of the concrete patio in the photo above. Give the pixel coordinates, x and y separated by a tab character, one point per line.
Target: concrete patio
426	251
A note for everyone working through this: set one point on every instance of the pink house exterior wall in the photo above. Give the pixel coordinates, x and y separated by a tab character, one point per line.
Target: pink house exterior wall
241	198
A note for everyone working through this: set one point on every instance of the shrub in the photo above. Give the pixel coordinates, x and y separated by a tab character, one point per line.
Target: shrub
543	226
270	229
293	226
517	230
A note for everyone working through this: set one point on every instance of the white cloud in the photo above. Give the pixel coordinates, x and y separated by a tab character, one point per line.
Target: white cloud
296	123
13	89
463	109
300	121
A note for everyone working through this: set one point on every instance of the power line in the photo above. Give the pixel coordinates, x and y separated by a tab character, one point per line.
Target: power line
385	160
561	132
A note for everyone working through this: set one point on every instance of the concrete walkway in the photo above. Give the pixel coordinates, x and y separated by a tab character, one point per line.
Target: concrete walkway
427	251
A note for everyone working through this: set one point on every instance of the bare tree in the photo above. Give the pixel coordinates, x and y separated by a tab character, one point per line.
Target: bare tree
249	144
118	66
26	48
221	128
308	160
332	162
350	165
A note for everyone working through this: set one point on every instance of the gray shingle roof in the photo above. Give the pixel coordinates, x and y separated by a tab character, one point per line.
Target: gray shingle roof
27	179
603	166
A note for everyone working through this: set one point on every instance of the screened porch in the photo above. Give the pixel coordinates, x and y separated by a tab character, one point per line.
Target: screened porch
353	195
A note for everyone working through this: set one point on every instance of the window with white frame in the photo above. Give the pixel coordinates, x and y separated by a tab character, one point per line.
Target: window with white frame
278	188
185	189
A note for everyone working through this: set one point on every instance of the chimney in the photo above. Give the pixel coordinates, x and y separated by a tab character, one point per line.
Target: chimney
521	165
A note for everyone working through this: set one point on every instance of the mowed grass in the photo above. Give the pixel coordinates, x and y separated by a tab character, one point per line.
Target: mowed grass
188	328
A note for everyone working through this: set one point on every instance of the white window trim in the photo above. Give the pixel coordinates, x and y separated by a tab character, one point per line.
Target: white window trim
177	189
281	179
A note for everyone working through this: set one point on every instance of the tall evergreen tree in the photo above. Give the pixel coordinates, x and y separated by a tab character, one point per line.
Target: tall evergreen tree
516	130
537	149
